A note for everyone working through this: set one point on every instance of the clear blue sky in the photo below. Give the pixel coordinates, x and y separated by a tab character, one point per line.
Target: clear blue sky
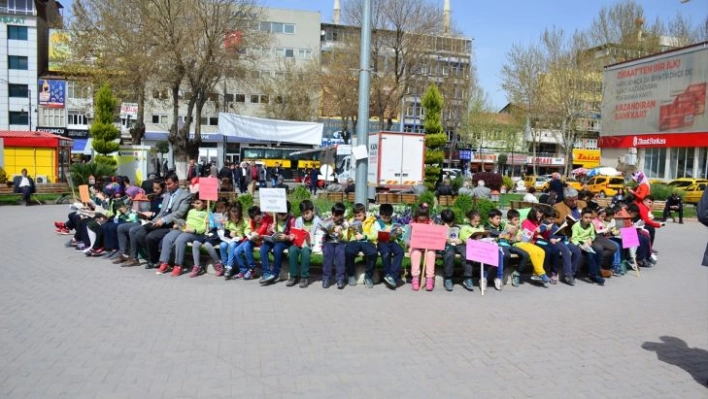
496	25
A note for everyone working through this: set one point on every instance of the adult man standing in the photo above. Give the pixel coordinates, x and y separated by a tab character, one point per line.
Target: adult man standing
556	186
175	206
225	173
245	180
25	185
275	173
674	204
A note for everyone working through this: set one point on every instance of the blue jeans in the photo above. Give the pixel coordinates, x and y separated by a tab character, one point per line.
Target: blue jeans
333	252
569	256
392	258
227	251
594	261
370	254
277	249
245	249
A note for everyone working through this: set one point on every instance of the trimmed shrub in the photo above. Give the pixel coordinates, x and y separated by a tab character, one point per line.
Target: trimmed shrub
427	197
246	201
464	203
80	172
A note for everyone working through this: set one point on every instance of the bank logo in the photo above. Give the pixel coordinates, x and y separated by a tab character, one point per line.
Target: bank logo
634	141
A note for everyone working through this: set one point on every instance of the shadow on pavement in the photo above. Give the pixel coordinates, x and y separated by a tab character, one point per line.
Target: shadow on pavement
675	351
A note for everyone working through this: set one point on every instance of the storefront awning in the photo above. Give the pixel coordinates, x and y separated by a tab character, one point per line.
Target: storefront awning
82	146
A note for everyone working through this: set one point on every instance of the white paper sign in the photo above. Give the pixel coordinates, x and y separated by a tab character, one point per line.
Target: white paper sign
273	200
360	152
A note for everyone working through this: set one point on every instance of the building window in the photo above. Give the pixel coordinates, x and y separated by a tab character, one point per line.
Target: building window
18	91
304	53
655	162
289	29
53	117
274	27
264	99
17	32
17	62
19	118
78	90
76	118
240	98
254	98
159	119
17	7
229	98
289	53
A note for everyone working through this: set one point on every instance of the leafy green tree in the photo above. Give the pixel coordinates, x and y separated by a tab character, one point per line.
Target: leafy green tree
435	137
102	130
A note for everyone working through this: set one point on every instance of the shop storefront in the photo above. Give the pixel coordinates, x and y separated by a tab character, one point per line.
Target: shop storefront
46	156
654	114
544	165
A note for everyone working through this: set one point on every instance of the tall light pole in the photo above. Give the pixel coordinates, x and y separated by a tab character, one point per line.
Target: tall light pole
362	128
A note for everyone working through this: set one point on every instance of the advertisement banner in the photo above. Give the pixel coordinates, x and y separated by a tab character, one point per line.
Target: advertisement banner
586	158
52	93
129	110
660	94
59	49
671	140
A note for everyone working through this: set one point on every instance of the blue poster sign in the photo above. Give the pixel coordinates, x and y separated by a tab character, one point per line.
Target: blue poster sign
465	155
52	93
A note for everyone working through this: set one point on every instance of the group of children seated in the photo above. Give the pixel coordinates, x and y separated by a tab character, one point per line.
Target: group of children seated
555	248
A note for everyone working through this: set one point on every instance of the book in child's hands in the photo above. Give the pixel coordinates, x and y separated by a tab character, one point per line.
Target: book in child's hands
453	233
587	248
526	235
302	237
276	237
479	235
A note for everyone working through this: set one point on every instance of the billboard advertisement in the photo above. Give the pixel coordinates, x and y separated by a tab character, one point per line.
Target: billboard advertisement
52	93
59	49
660	94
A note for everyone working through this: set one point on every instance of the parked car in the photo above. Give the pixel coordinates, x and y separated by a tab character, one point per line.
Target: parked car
452	172
570	182
537	182
605	186
694	192
686	182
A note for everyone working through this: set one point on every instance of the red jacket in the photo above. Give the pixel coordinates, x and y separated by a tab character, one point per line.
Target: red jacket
644	214
265	227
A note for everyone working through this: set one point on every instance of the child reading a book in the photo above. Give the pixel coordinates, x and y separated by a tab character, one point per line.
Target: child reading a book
232	235
261	225
524	250
422	216
603	235
301	248
531	233
561	249
183	232
360	241
389	237
454	246
584	237
502	237
334	246
277	243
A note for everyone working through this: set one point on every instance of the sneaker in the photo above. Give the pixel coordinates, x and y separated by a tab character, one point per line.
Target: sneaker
352	281
164	268
429	284
447	284
368	282
340	284
616	270
219	268
228	273
71	243
248	275
652	260
515	279
483	284
569	280
597	279
468	284
554	278
176	271
59	225
498	284
267	279
196	271
535	278
238	276
544	279
291	282
390	281
326	283
80	246
304	282
415	283
64	231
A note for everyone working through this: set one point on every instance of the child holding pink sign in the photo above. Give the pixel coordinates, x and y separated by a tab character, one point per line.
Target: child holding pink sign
422	215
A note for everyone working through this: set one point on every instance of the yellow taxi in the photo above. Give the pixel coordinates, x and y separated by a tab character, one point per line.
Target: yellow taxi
605	186
682	183
694	192
536	182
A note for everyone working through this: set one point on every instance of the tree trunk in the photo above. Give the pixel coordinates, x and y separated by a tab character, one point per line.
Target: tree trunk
534	141
137	133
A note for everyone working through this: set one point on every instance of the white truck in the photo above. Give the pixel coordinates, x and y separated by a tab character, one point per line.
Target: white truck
396	160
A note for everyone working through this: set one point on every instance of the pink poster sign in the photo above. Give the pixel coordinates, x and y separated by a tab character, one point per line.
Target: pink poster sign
629	237
208	188
428	236
483	252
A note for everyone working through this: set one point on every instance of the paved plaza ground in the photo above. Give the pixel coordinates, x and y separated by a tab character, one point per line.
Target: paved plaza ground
75	327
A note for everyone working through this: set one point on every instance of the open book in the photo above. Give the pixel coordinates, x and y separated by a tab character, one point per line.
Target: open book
276	237
565	229
453	233
302	237
479	235
587	248
388	236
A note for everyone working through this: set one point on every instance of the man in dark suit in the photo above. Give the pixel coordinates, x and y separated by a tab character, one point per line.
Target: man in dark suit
175	206
24	184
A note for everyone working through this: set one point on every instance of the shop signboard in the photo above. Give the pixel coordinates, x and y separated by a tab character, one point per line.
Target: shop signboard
663	94
52	93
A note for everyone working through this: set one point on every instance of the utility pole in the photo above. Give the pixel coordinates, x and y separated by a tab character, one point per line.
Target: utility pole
362	129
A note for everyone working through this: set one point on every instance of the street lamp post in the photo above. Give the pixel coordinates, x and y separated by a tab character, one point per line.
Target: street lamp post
361	193
29	111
